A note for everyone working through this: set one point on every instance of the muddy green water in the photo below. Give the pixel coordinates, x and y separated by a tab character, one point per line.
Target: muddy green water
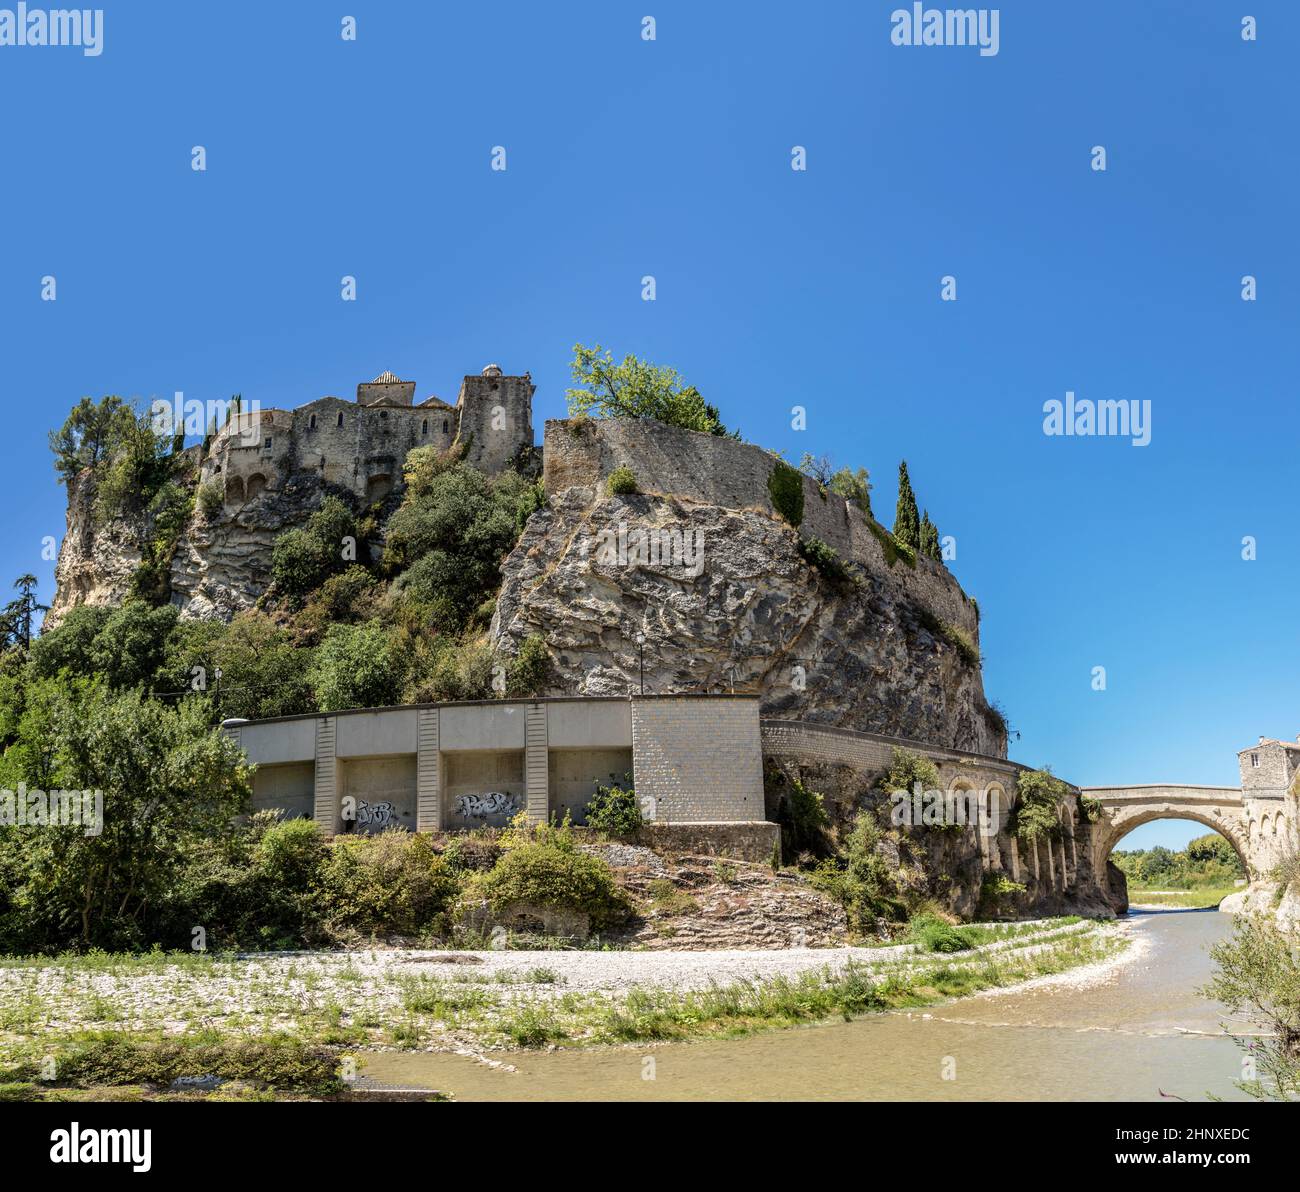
1141	1031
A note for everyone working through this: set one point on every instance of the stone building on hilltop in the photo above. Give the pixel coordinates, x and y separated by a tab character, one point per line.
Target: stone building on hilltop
361	445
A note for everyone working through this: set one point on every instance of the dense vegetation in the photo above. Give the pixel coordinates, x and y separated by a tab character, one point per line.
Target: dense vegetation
1209	861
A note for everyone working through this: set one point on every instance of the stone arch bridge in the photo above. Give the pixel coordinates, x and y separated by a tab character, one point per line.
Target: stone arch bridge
1256	829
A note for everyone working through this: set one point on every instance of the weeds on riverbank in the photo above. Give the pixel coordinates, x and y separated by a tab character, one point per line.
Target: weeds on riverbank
650	1015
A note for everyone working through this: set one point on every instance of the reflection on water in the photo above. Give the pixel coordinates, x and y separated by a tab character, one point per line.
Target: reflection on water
1124	1038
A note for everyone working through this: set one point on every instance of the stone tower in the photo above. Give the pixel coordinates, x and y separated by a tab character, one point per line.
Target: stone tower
495	415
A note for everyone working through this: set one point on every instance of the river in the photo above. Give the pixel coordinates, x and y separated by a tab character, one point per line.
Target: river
1136	1033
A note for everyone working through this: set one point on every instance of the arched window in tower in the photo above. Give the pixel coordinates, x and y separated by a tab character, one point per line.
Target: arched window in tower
444	426
424	427
311	422
340	417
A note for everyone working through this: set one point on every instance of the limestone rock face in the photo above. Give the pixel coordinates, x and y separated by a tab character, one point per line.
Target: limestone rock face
96	561
223	564
750	612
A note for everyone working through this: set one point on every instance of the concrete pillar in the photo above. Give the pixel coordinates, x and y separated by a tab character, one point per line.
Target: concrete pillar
428	772
1051	863
326	807
1015	860
536	769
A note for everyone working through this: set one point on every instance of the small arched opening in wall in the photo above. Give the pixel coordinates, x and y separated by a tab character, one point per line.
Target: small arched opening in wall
256	483
234	490
378	487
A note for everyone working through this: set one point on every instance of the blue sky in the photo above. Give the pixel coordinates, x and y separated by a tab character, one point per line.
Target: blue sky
775	288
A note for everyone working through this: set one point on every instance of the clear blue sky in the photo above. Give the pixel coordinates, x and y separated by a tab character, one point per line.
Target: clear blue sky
775	288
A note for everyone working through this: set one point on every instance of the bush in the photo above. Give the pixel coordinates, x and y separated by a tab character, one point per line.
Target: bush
826	560
891	546
450	536
445	670
637	389
302	559
621	482
907	770
1036	813
552	875
357	666
614	810
785	485
529	671
862	879
389	884
803	819
210	498
931	934
954	635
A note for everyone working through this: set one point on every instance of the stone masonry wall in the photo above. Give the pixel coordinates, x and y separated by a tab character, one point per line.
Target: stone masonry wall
697	759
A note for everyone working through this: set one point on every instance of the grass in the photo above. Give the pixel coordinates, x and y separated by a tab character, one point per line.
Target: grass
248	1023
671	899
1186	899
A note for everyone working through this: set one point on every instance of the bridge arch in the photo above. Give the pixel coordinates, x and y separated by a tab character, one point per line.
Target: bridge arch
1219	808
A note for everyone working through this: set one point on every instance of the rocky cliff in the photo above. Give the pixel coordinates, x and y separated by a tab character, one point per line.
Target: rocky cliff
97	560
863	653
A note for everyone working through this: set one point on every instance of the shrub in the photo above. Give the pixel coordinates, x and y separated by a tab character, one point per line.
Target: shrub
862	879
954	635
210	498
893	549
357	666
1258	975
803	819
390	883
854	487
621	482
931	934
450	536
996	719
1035	814
548	874
785	485
1090	810
303	558
906	770
614	810
529	671
637	389
826	560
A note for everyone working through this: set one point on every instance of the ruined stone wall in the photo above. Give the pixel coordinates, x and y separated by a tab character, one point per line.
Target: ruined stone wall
717	471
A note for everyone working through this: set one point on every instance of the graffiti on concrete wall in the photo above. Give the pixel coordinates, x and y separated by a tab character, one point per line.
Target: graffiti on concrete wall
483	806
376	815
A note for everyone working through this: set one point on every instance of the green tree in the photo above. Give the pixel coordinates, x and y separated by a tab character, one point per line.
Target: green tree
930	538
305	557
262	672
637	389
19	614
1258	975
907	524
448	539
854	487
357	666
92	433
169	781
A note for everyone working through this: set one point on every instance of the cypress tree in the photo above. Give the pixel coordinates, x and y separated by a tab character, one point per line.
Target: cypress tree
930	538
907	523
